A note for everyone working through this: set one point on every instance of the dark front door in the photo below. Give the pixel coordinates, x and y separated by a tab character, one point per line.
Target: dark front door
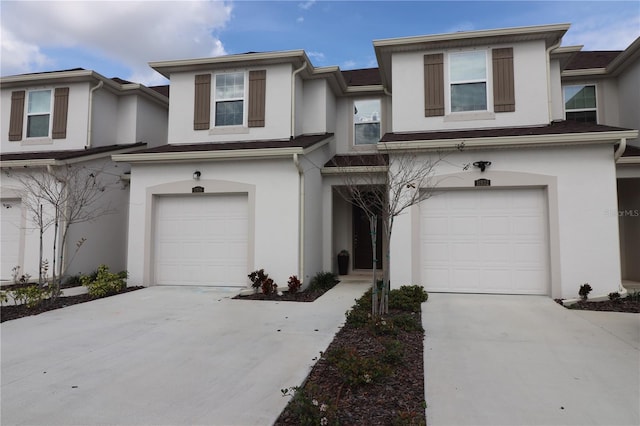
362	250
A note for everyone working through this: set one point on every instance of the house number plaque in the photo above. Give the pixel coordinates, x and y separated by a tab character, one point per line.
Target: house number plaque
197	189
482	182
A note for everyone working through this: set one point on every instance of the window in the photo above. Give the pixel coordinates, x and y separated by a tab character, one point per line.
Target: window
229	99
38	114
468	81
580	103
366	121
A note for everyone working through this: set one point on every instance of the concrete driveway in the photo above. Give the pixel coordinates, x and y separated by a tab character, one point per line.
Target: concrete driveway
525	360
164	356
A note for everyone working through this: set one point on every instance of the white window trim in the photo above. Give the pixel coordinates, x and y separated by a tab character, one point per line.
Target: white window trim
564	100
27	114
478	114
353	124
244	99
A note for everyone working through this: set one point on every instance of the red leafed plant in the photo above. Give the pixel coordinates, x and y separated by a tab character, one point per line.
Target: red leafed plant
294	284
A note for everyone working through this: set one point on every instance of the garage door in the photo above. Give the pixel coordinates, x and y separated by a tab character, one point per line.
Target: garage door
485	241
201	240
10	233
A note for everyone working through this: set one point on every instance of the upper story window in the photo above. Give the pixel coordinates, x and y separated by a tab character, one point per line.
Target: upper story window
468	81
38	114
580	103
366	121
229	99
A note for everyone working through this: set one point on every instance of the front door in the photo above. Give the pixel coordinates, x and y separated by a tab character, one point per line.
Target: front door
362	250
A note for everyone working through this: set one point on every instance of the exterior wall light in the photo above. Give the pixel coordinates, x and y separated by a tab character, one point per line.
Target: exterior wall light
196	175
482	165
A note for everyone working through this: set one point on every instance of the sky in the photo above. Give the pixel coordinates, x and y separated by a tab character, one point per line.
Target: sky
120	38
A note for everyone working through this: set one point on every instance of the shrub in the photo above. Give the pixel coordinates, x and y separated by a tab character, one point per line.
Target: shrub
356	370
4	298
294	284
584	291
323	281
31	295
257	278
305	409
407	298
360	313
393	352
407	322
268	286
614	296
105	283
634	296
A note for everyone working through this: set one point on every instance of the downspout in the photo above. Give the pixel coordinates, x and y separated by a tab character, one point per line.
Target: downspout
621	148
296	162
90	117
293	98
548	59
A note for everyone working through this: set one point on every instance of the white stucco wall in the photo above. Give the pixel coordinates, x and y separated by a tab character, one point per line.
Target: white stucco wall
104	127
152	123
76	121
277	109
105	236
530	77
275	184
127	117
313	110
557	102
343	113
586	246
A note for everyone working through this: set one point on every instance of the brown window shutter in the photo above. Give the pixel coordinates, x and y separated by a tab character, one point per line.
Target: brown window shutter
504	99
60	109
202	102
17	115
433	85
257	92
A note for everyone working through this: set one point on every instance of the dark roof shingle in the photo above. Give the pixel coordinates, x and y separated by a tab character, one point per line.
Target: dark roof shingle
358	160
66	155
362	77
592	59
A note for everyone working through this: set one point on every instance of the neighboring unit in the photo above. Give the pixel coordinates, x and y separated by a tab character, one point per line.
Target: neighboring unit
66	125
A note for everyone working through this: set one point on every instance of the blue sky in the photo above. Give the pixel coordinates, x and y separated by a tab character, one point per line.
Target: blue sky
118	39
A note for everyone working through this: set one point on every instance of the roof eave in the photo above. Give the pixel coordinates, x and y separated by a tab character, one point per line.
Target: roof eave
509	141
44	162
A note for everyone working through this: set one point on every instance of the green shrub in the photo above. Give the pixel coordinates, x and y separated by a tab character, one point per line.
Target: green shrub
584	291
307	410
356	370
360	313
407	298
407	322
105	283
614	296
393	352
323	281
4	298
31	295
634	296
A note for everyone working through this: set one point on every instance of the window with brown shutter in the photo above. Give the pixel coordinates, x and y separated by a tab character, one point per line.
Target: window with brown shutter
257	92
202	102
433	85
17	115
503	85
60	109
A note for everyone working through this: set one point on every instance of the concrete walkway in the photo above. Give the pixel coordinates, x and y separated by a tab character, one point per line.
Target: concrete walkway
164	356
525	360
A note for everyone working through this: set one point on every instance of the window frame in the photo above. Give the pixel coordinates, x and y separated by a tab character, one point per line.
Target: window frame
216	100
354	124
27	114
564	100
486	80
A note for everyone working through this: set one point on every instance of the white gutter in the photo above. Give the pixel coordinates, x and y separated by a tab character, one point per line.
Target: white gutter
621	148
510	141
548	59
48	162
90	117
296	162
293	98
353	169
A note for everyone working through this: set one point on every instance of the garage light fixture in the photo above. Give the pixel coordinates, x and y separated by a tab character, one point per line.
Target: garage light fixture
482	164
196	175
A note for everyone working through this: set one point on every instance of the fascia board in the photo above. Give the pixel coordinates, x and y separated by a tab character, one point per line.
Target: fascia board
628	160
587	72
361	90
353	170
50	77
28	163
240	154
43	162
509	141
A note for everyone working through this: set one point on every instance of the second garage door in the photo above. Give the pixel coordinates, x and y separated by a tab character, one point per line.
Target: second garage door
201	240
485	241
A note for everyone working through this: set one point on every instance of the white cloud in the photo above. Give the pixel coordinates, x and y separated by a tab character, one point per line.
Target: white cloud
347	65
318	56
603	32
300	19
307	4
131	33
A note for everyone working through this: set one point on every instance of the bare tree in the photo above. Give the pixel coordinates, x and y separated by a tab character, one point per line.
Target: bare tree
59	197
383	187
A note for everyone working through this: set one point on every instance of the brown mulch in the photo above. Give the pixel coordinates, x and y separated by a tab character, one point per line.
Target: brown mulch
630	305
303	296
11	312
395	399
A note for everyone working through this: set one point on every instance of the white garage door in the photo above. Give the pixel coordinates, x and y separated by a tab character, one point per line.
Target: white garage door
485	241
201	240
10	233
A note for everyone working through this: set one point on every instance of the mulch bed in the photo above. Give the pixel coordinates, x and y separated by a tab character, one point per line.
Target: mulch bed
303	296
396	399
621	305
11	312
